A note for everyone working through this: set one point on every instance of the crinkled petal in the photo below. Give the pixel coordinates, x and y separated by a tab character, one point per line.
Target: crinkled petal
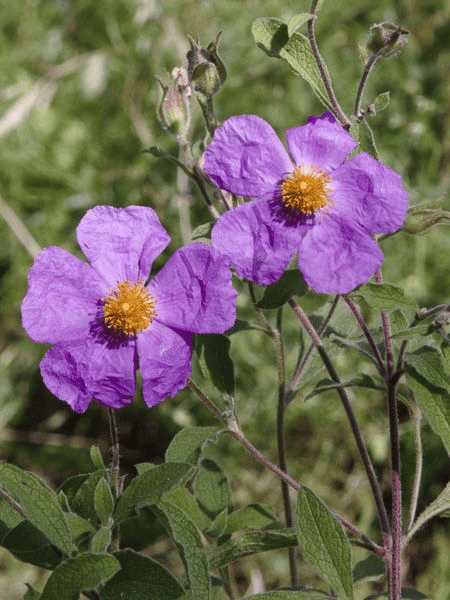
336	256
121	243
256	245
369	193
194	291
164	361
246	157
81	371
321	142
62	295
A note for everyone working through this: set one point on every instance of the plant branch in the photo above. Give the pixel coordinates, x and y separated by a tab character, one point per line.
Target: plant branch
322	69
362	84
416	418
370	471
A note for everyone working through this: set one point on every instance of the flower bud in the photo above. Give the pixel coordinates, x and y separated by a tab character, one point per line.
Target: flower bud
206	69
174	109
386	39
423	217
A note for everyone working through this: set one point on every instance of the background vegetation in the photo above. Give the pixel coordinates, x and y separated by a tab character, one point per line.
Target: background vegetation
78	104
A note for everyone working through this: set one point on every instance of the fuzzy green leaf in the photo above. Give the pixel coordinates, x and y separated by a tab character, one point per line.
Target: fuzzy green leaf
384	296
310	594
428	363
323	544
362	133
148	487
363	380
297	21
434	403
369	569
96	457
272	36
187	537
101	540
30	545
84	572
82	502
103	501
437	507
141	578
31	594
189	443
381	101
213	352
290	284
212	489
39	503
252	516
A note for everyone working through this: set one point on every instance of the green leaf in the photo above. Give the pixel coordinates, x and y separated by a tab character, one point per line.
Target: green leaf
297	21
434	403
31	594
381	101
218	525
83	572
252	516
384	296
30	545
148	487
189	443
8	515
71	486
407	594
160	153
83	501
39	503
369	569
212	489
272	36
412	332
290	595
290	284
213	352
437	507
323	543
103	501
96	457
363	380
428	363
186	502
251	542
186	536
78	526
203	232
141	578
101	540
362	133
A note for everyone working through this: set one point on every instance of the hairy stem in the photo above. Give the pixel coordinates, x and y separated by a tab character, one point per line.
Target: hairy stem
340	115
114	471
362	84
299	371
370	471
281	439
416	418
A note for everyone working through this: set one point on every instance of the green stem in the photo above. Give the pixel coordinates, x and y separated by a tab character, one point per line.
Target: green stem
362	84
114	472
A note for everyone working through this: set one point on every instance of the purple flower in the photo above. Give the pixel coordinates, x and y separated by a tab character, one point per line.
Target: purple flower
104	322
318	204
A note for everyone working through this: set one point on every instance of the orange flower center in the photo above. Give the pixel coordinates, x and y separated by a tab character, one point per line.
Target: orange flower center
308	191
130	308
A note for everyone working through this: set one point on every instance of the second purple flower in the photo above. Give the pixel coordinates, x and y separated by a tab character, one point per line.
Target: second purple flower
318	204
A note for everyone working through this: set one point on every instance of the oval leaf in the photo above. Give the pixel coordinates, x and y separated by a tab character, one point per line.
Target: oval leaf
323	543
84	572
290	284
213	353
188	444
148	487
39	503
103	500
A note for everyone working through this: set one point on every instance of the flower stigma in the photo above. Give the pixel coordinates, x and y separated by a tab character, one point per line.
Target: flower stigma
308	192
130	308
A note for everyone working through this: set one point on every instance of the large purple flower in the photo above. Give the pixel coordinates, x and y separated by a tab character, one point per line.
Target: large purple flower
104	321
318	204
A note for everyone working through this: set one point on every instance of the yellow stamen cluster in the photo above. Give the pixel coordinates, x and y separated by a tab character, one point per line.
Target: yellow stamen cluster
308	191
130	308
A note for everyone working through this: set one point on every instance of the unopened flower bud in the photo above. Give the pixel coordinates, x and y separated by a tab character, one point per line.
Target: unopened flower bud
386	39
423	217
174	109
206	69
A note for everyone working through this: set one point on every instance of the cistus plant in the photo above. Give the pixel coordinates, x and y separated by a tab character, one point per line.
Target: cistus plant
298	230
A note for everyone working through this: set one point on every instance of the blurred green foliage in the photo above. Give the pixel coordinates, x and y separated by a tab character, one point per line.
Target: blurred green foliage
77	107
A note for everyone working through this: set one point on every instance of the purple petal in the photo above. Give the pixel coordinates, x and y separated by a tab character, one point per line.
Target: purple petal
257	246
78	372
164	361
194	291
369	193
121	243
321	142
246	157
62	295
336	256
